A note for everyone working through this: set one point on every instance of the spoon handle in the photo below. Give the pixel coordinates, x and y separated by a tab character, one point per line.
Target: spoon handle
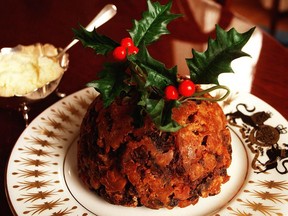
102	17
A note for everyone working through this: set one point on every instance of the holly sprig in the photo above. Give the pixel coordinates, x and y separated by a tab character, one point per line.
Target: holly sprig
146	78
207	66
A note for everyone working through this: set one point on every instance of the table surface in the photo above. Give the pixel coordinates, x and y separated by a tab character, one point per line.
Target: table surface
49	21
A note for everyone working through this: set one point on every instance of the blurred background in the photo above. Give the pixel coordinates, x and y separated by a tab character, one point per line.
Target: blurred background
271	15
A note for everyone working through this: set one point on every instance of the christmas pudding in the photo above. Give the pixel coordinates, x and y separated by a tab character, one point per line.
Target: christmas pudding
153	138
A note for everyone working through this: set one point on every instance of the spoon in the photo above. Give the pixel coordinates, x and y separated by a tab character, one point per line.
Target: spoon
102	17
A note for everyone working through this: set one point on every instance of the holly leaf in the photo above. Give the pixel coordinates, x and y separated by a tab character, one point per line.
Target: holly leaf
101	44
111	82
157	74
154	23
172	126
160	113
154	108
168	124
207	66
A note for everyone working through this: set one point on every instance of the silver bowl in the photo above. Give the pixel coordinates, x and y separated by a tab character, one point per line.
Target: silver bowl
23	102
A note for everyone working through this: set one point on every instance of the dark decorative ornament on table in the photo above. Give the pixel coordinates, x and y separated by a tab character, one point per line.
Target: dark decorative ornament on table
262	139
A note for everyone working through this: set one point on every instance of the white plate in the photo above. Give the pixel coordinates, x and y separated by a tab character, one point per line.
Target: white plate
42	173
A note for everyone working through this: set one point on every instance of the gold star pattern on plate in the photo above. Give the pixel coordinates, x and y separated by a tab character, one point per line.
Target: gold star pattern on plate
39	159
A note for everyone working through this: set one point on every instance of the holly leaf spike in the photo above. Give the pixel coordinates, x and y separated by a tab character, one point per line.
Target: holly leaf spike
101	44
157	74
207	66
110	82
154	23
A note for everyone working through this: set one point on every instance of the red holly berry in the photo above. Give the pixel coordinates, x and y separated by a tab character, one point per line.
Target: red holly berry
119	53
127	42
171	93
132	50
186	88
